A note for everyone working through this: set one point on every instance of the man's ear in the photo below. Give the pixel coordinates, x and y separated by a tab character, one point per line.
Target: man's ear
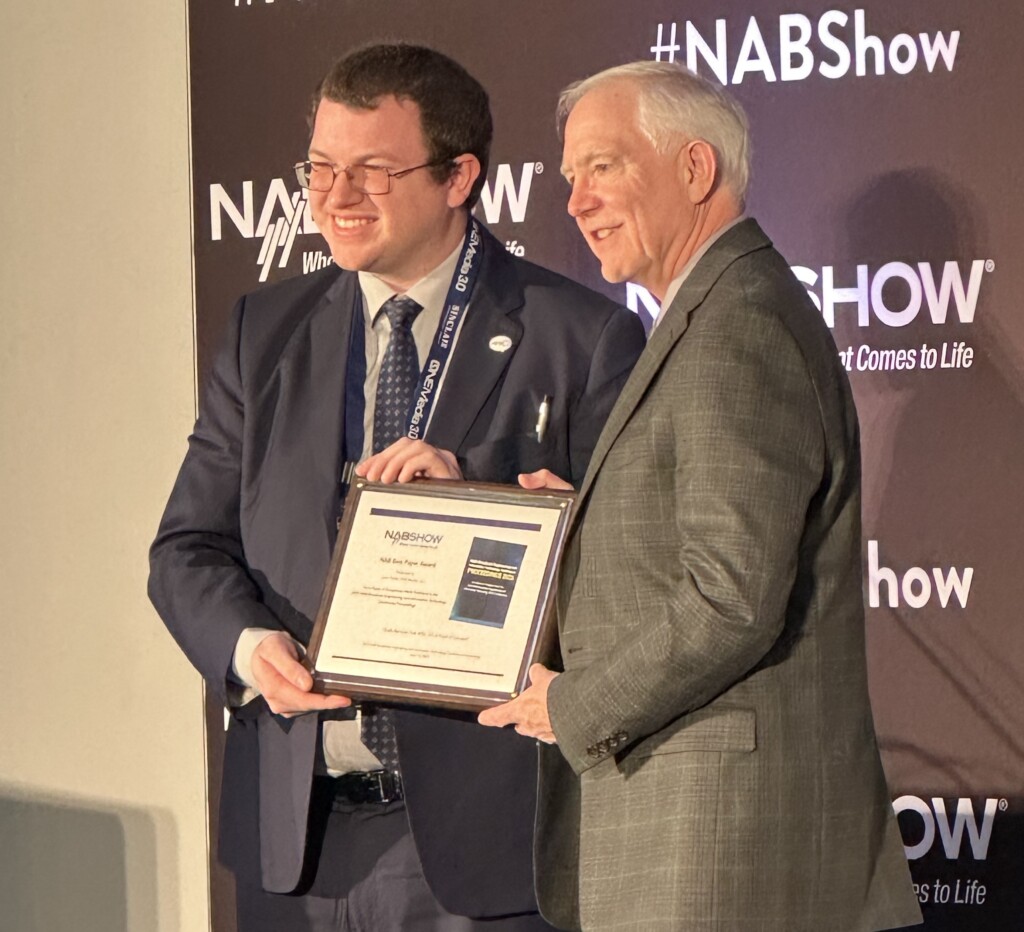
467	170
698	167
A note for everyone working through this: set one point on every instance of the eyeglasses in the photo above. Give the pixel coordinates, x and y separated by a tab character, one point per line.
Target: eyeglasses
367	179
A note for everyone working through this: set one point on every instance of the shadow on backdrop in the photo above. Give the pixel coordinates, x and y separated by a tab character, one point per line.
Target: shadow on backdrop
73	864
942	451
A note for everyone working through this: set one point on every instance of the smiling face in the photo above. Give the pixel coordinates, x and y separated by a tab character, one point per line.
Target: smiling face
402	235
630	201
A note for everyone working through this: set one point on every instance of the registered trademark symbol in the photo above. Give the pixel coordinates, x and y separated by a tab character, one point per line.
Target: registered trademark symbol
1003	805
538	167
990	266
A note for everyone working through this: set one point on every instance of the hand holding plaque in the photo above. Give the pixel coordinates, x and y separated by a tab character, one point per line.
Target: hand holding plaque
439	592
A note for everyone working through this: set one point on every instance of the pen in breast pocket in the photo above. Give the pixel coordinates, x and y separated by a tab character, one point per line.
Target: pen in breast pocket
542	417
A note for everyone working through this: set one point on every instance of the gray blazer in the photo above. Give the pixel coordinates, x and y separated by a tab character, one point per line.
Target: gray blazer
714	707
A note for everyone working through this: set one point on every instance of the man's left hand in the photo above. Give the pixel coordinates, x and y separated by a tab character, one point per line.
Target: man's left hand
408	459
529	710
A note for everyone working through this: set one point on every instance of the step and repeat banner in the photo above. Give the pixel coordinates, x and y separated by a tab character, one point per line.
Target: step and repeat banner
887	169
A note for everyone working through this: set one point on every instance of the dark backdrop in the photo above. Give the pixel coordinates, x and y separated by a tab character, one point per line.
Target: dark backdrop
887	170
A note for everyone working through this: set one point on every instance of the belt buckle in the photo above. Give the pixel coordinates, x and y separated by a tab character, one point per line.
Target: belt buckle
388	786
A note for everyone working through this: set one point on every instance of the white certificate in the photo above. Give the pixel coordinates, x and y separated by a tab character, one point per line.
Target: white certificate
439	592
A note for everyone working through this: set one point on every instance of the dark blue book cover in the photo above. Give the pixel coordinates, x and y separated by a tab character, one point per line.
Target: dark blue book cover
488	580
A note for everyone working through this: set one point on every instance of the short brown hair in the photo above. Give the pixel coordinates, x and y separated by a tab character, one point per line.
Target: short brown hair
454	108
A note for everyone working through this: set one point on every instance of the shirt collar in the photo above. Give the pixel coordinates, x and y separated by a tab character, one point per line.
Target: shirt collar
677	282
429	292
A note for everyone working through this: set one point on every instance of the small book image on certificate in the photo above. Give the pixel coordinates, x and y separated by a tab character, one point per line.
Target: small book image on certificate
487	582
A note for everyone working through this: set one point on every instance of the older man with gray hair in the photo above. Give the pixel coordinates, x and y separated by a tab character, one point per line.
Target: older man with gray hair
716	766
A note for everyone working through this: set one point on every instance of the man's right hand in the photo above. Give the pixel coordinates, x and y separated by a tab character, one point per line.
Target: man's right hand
284	682
408	459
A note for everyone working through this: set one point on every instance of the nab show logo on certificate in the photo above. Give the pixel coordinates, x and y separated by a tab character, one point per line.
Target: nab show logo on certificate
488	581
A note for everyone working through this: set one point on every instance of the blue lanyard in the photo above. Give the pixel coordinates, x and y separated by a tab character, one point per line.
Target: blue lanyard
436	366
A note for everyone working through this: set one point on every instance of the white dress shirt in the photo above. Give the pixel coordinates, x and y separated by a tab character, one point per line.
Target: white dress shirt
677	282
343	750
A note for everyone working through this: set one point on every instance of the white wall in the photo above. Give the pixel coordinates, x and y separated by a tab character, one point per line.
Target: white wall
102	789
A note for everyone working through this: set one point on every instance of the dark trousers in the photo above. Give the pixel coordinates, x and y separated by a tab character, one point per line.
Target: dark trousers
365	876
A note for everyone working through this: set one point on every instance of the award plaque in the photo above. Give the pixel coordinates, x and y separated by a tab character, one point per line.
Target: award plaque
439	592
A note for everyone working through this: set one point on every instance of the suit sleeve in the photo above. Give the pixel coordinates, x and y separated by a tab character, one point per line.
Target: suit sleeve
740	454
199	580
619	346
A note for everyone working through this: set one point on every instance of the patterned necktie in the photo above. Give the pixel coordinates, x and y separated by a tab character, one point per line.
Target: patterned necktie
396	386
399	373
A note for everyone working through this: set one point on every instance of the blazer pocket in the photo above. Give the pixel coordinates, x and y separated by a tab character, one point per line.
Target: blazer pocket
704	730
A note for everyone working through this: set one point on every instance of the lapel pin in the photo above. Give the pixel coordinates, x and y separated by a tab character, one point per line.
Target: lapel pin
500	344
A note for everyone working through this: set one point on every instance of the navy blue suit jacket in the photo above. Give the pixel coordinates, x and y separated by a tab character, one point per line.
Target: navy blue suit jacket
247	536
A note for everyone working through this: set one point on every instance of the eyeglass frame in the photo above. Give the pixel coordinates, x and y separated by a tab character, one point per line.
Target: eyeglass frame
347	171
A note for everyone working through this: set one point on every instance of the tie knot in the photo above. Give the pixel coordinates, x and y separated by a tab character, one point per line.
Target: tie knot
401	311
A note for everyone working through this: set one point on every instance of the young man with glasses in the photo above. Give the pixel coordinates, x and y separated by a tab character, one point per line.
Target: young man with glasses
324	825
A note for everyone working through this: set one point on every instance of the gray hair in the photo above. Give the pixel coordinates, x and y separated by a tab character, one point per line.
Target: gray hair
674	103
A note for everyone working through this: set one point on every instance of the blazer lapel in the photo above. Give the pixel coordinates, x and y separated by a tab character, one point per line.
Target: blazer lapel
318	359
743	238
488	340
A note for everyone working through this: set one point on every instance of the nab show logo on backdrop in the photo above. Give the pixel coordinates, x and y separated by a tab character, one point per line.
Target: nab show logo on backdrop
283	216
962	832
932	296
916	586
505	197
793	47
948	842
277	216
934	291
891	296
